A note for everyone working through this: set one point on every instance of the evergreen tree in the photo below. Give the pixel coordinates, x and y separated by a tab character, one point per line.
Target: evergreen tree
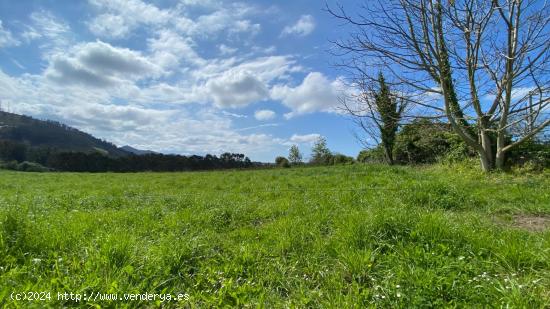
320	154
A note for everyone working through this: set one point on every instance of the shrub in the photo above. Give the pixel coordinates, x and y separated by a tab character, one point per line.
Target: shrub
341	159
423	141
530	155
374	155
32	167
282	162
24	166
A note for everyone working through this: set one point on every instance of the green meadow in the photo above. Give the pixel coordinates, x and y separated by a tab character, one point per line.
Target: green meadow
335	237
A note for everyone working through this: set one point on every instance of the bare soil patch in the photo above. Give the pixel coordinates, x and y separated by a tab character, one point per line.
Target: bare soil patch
531	223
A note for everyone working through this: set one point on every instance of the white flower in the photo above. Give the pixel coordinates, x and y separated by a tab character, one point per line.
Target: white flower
398	294
398	286
36	260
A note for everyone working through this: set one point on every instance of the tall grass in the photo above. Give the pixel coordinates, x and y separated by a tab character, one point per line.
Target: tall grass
350	236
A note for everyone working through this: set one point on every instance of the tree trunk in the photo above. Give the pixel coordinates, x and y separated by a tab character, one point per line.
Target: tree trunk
500	160
486	161
388	151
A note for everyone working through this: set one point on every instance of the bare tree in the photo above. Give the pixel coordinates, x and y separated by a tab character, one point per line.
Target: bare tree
483	65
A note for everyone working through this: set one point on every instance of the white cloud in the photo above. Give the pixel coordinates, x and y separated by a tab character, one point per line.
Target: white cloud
235	115
6	38
53	32
119	18
304	139
109	25
236	89
316	93
304	26
123	16
169	50
226	50
99	64
230	84
264	114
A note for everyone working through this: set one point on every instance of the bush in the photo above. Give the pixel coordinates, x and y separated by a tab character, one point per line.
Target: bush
24	166
374	155
423	141
32	167
9	165
282	162
341	159
530	155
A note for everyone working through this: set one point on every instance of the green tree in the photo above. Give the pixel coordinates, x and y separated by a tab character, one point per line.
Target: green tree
282	162
294	155
320	154
389	111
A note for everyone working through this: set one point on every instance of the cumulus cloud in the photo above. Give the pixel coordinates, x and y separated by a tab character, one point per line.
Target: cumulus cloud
169	50
264	114
236	89
304	26
304	139
316	93
99	64
231	85
6	38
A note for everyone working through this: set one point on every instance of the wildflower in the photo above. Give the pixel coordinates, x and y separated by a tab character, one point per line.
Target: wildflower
398	294
398	286
36	260
460	258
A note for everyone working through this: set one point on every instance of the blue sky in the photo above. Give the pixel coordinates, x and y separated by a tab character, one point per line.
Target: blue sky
187	76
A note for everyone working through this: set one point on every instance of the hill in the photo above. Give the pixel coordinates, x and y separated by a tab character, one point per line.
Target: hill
137	152
52	134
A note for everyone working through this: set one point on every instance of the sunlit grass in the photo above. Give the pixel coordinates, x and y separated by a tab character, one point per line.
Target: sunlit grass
307	237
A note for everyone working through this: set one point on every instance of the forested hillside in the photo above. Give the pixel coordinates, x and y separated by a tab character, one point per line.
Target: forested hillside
52	134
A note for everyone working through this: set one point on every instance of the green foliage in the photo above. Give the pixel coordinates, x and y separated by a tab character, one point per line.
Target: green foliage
294	155
531	155
338	158
390	111
374	155
334	237
282	162
423	141
23	166
320	154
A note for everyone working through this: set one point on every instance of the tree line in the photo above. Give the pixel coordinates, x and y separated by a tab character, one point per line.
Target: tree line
19	156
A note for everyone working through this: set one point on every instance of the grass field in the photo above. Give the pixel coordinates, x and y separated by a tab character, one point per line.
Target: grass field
350	236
